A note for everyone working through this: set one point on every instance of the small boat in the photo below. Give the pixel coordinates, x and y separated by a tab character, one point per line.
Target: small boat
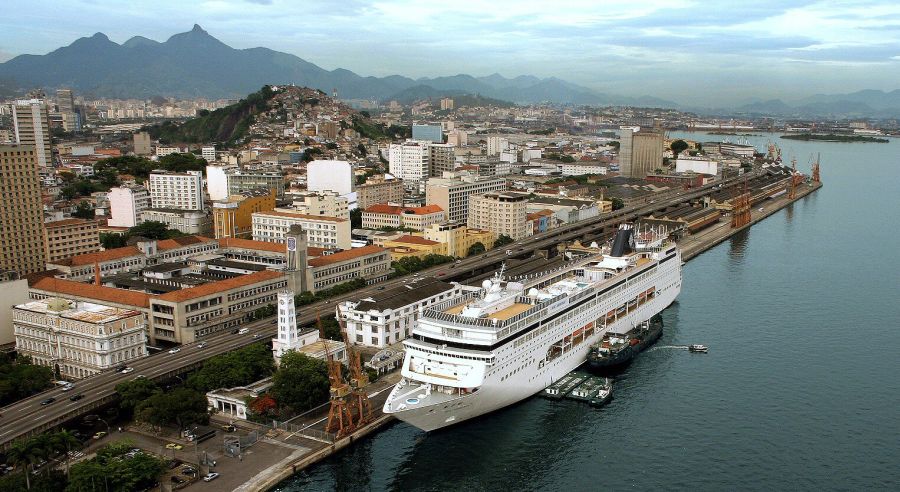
699	349
602	397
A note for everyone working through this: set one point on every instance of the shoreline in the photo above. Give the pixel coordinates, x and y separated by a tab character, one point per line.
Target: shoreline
692	246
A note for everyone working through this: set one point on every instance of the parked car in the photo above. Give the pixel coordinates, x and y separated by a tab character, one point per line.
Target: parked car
99	435
173	445
212	476
228	428
177	479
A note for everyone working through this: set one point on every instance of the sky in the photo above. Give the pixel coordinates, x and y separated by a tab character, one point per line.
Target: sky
694	52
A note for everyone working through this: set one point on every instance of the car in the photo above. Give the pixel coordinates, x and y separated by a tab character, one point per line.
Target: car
188	470
139	376
380	287
48	401
174	464
127	370
244	330
99	435
174	446
175	350
68	387
229	428
256	335
177	479
212	476
76	397
201	344
235	331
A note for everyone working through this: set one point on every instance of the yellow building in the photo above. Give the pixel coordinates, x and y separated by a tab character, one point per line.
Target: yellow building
233	216
458	237
407	246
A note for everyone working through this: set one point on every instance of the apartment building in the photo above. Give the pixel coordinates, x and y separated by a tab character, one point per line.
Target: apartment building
379	189
322	203
415	218
371	263
31	126
186	221
458	237
323	232
182	191
442	158
233	216
126	204
451	193
78	338
142	143
409	161
501	213
70	237
21	211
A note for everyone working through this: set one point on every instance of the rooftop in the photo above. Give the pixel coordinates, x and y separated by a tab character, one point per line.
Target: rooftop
233	242
290	215
80	311
345	256
404	295
100	256
68	222
220	286
381	208
415	240
180	242
91	291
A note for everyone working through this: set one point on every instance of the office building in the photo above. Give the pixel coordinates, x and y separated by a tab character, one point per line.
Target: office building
233	216
409	161
225	181
325	203
126	203
70	237
31	124
427	133
458	138
441	159
186	221
371	263
183	191
21	211
163	151
451	193
496	145
389	316
501	213
65	102
416	218
79	339
142	143
379	189
323	232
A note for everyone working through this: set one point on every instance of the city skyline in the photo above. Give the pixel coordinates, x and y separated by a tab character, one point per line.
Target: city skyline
685	51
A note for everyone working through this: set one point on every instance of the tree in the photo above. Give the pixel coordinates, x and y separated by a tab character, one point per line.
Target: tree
503	240
83	211
21	379
181	407
678	146
26	454
150	230
110	470
300	383
111	241
65	441
475	249
132	393
362	149
617	203
264	405
356	218
180	163
236	368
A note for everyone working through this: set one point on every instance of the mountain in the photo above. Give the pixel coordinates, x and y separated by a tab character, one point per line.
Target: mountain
196	64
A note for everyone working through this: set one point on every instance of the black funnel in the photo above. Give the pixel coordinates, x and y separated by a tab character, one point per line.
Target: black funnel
623	243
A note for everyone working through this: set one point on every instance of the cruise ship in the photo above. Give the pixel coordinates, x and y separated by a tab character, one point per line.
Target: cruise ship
494	346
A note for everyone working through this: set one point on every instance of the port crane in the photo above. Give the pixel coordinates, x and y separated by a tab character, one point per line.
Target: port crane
740	208
359	381
340	419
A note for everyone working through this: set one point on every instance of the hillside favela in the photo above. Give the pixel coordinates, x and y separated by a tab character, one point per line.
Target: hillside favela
402	245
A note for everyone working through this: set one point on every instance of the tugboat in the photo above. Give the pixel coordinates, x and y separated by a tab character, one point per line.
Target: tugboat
616	350
698	349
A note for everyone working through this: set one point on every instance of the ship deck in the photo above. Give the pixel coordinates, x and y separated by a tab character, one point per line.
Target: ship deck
502	315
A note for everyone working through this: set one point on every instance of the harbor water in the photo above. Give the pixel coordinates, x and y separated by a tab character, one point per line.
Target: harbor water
800	388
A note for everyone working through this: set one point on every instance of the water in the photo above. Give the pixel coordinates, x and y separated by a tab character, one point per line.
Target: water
800	389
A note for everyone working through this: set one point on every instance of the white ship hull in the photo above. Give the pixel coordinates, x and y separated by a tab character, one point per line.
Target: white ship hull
518	372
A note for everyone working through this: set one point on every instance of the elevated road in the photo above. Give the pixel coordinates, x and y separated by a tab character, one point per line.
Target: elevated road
27	417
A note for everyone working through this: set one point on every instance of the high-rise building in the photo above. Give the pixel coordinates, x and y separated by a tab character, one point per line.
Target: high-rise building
225	181
142	144
323	232
495	145
446	103
31	122
126	203
328	175
441	158
182	191
626	135
452	193
646	153
501	213
233	216
428	133
65	102
379	189
21	212
409	161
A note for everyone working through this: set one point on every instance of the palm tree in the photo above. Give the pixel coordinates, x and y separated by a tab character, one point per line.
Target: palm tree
43	447
24	453
65	440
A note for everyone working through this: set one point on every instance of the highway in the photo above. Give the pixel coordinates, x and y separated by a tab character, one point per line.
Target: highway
28	416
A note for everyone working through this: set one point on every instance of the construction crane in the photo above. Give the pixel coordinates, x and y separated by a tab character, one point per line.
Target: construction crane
359	381
740	208
340	420
815	170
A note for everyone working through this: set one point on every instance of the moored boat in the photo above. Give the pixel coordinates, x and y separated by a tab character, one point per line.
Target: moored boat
617	350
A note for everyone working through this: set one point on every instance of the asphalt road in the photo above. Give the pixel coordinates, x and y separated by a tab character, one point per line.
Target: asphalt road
29	416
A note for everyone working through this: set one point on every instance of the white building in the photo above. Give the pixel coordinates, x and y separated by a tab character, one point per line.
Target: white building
389	316
324	203
227	180
409	161
699	165
79	338
208	153
322	232
451	193
187	221
501	213
582	168
496	145
334	176
164	151
183	191
529	154
291	339
126	203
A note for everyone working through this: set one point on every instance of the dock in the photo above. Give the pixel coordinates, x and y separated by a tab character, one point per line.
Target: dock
561	388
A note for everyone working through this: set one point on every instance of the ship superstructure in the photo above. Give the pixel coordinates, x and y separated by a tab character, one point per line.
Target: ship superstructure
493	346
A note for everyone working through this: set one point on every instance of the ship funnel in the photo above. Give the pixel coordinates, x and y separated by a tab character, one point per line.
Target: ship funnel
624	242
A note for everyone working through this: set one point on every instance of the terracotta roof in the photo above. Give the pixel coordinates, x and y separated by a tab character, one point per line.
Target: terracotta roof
381	208
344	255
220	286
313	252
67	222
180	242
291	215
234	242
100	256
91	291
415	240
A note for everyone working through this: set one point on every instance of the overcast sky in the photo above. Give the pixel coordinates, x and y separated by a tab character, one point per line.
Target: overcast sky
690	51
